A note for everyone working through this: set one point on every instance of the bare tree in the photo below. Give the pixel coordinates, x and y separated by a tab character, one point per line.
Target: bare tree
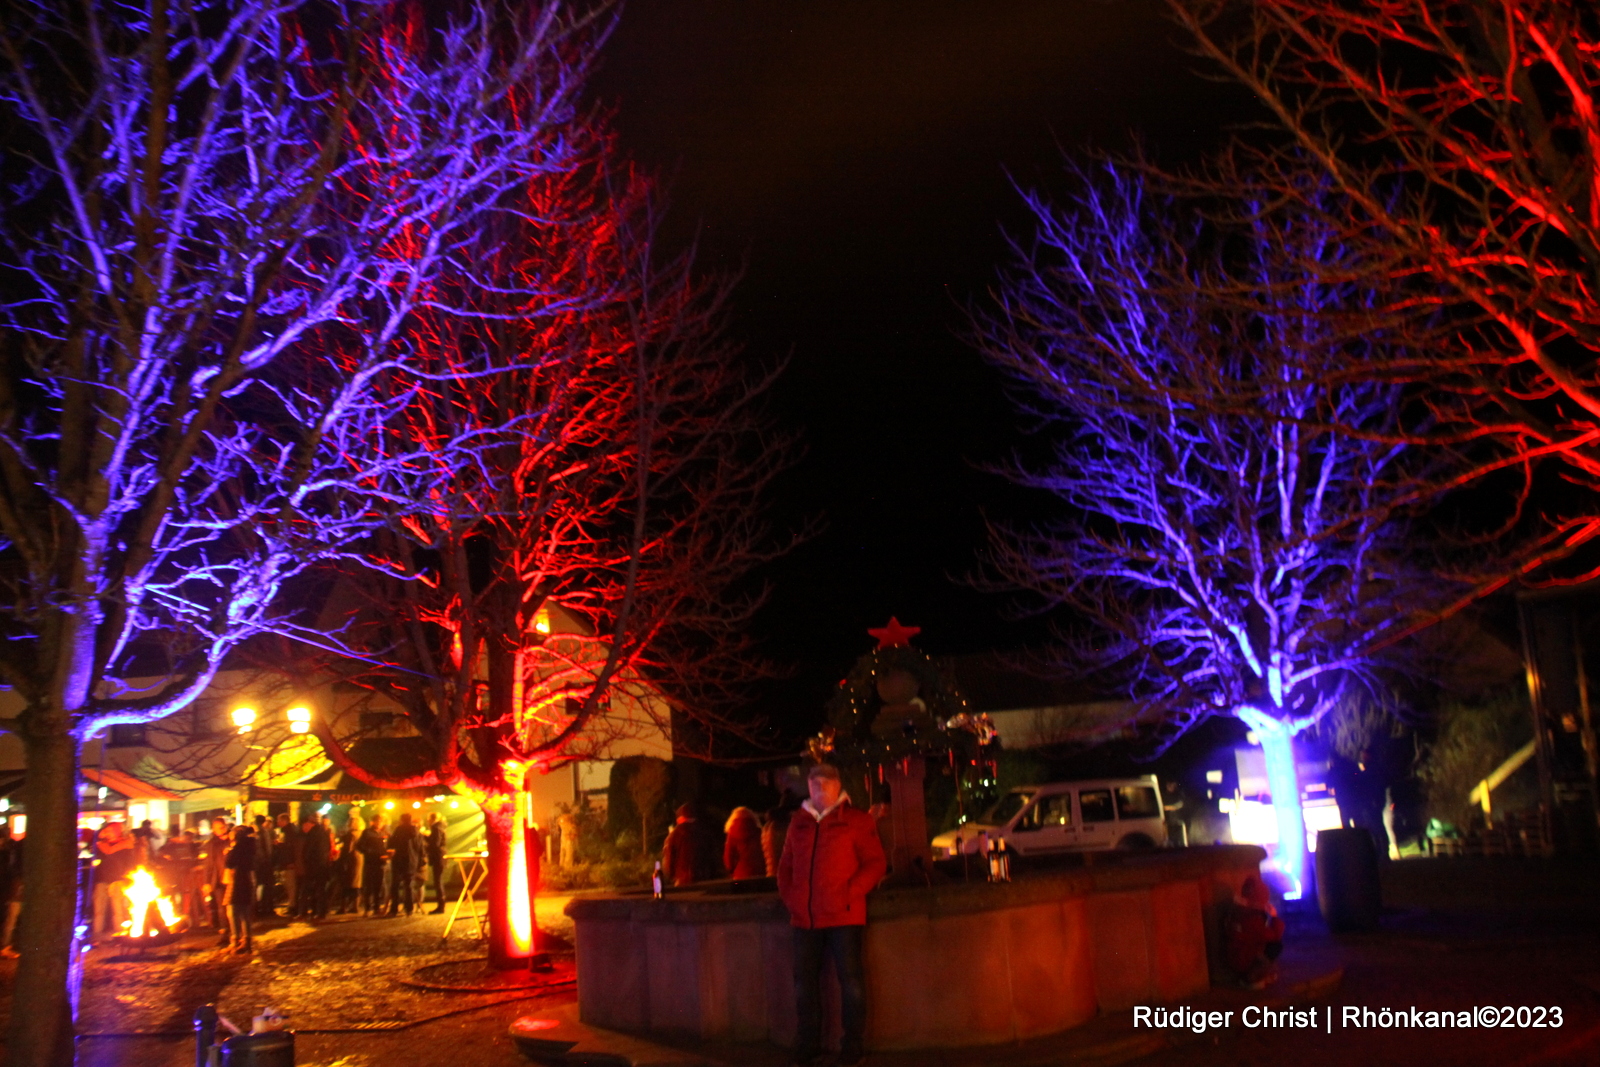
1227	550
1464	140
198	199
619	460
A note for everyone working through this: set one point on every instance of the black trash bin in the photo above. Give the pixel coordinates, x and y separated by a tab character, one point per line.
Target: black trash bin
1348	894
273	1049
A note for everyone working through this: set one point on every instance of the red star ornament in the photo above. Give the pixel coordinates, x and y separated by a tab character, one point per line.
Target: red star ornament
894	635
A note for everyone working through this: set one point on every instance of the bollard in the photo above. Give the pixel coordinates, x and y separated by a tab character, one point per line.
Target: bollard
272	1049
205	1034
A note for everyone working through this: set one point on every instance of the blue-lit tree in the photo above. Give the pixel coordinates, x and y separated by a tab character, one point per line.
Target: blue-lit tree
218	225
1232	537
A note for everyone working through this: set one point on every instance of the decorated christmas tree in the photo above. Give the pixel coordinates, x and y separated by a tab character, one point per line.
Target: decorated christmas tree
896	711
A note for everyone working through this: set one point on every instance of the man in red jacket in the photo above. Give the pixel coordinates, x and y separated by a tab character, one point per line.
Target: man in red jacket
832	859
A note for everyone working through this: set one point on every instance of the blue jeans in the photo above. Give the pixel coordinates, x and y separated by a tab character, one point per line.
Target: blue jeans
843	945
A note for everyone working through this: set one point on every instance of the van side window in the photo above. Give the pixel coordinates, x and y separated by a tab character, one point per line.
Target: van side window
1051	811
1095	804
1137	802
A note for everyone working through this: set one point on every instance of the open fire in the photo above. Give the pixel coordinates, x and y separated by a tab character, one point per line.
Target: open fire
154	916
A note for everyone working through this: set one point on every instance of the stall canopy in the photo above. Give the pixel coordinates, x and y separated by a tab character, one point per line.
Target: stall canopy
388	757
192	796
126	785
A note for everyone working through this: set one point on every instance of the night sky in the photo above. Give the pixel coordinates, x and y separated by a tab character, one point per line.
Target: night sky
857	160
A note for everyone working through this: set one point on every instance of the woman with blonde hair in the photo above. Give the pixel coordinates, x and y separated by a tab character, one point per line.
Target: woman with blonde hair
741	851
350	861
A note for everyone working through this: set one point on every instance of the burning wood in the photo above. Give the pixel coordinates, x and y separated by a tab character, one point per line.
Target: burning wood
154	916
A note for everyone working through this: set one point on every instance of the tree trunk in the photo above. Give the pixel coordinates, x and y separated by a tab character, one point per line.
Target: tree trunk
1283	779
513	939
42	995
908	820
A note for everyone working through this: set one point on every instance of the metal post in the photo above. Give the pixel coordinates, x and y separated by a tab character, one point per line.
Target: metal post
205	1034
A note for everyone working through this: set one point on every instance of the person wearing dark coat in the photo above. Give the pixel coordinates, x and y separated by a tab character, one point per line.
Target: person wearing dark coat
690	853
435	842
405	847
214	865
266	836
371	847
741	849
316	855
241	866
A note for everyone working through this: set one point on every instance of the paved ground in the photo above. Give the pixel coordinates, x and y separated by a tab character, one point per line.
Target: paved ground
1458	934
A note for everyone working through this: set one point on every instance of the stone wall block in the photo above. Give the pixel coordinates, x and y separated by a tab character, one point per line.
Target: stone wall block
612	985
1178	938
1124	972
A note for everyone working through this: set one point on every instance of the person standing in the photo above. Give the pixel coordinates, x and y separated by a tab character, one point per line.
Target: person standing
214	864
832	859
741	848
265	839
689	854
435	841
289	861
405	847
371	846
348	898
316	855
772	833
113	867
10	888
241	865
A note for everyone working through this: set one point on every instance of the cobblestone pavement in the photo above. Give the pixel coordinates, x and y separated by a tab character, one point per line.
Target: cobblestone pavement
341	975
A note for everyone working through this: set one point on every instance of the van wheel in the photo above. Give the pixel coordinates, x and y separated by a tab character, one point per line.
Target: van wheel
1136	841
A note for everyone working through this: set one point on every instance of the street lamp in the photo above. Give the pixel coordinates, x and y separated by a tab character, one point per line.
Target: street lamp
244	718
299	719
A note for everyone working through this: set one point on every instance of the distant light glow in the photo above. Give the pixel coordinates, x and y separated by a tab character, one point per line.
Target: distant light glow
1214	777
299	719
244	718
388	805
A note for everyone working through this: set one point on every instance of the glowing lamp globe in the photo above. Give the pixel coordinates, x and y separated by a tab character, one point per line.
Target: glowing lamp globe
299	720
244	718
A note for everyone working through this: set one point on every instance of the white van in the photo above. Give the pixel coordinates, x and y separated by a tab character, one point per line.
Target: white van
1066	817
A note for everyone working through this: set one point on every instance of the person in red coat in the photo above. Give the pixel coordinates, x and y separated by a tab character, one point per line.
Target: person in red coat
1253	936
832	859
690	852
741	847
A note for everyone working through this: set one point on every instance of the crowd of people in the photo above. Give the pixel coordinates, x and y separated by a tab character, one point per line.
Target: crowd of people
226	879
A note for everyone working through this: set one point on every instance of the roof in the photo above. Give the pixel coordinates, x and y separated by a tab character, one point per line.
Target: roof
126	784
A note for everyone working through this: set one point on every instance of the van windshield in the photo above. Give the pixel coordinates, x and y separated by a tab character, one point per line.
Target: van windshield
1005	808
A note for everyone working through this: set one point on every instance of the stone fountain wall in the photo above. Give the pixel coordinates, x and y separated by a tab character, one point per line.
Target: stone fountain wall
950	965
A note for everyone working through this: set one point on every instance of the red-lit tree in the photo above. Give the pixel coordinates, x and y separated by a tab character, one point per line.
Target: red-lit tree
1464	140
617	461
219	222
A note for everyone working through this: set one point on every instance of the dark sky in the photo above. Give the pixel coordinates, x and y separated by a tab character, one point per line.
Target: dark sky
857	157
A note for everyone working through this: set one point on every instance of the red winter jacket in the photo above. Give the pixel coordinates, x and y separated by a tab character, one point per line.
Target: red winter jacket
829	867
741	852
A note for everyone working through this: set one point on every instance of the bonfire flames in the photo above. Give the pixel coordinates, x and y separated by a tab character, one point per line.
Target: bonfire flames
154	916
